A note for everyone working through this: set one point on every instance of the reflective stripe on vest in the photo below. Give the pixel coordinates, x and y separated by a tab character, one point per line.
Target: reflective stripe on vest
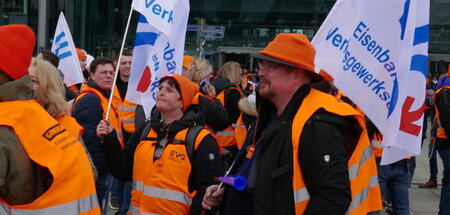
138	185
76	207
134	210
364	194
225	133
353	170
167	194
301	195
126	108
376	143
127	121
238	126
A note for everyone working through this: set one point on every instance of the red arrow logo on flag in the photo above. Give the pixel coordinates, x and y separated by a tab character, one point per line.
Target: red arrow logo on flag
406	123
145	81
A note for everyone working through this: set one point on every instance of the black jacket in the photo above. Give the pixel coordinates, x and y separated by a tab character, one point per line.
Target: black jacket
232	96
216	115
327	182
443	105
88	112
204	169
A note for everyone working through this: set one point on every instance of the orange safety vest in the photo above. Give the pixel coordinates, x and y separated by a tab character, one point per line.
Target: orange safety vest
113	117
362	169
161	187
71	125
248	77
235	133
126	111
50	145
376	145
440	133
74	89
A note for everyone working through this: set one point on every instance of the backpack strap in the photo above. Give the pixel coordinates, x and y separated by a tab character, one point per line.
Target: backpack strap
191	136
145	131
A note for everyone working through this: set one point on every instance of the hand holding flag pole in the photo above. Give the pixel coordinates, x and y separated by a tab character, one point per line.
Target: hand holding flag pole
117	67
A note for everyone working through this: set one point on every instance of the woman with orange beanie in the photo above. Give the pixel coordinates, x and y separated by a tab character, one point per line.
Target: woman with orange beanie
171	159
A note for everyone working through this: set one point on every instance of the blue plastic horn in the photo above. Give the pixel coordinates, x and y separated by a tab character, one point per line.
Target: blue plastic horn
238	182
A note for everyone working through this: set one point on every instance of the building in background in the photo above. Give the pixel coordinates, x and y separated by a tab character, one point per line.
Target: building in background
231	30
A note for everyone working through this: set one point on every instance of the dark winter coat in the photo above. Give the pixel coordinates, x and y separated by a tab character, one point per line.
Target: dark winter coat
327	182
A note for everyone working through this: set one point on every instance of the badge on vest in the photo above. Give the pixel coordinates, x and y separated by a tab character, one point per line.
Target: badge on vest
177	156
53	131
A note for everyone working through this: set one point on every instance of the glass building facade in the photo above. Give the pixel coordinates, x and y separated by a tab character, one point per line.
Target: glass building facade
246	26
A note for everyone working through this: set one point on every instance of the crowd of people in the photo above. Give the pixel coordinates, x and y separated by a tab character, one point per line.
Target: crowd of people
301	146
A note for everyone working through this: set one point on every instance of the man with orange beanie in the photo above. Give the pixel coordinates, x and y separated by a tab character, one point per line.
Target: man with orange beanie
308	152
37	156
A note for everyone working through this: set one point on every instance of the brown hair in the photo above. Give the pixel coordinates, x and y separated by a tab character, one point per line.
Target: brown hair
50	57
100	61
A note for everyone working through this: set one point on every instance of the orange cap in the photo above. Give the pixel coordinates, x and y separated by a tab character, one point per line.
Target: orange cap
81	54
291	49
187	60
326	76
188	89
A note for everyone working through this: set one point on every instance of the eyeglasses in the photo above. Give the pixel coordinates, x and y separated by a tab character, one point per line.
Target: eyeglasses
270	66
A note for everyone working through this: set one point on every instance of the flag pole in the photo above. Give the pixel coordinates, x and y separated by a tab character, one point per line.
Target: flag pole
118	63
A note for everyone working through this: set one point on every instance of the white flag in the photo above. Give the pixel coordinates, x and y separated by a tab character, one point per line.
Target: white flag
376	51
65	49
160	13
156	55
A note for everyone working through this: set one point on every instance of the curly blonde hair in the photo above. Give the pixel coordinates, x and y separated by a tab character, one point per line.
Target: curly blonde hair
231	70
51	91
198	70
